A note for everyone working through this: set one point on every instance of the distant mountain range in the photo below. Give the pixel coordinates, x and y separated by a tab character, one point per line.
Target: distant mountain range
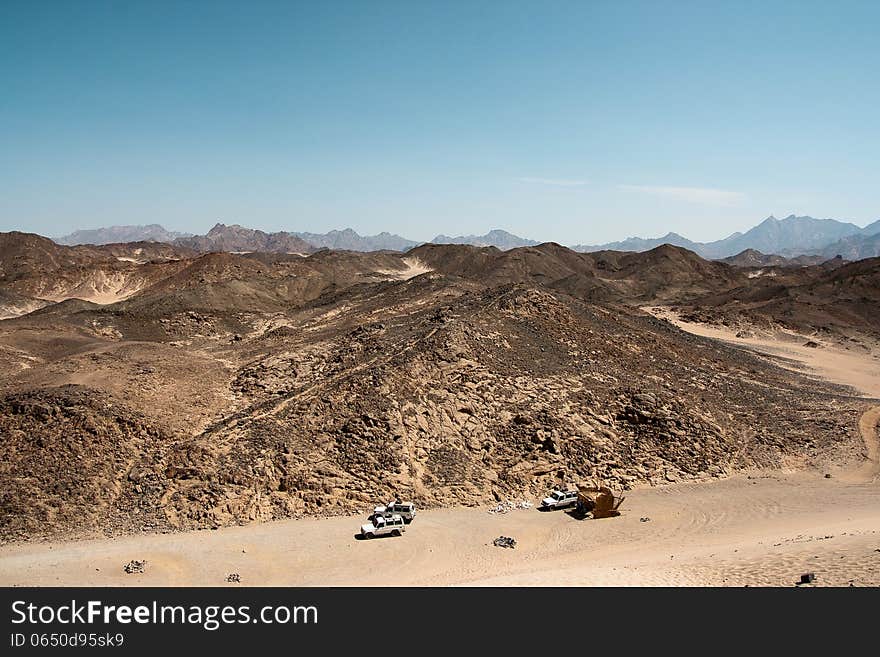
640	244
789	237
349	240
856	247
498	238
120	234
236	239
753	258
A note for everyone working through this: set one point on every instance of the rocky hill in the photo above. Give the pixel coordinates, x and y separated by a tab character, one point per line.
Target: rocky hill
38	270
837	300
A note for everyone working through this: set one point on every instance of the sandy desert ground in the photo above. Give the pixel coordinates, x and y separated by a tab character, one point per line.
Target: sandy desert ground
758	529
764	530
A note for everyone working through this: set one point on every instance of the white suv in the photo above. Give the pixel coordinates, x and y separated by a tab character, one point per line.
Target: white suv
406	510
382	526
559	499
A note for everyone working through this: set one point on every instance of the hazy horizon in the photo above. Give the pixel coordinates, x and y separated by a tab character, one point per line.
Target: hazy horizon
536	238
573	122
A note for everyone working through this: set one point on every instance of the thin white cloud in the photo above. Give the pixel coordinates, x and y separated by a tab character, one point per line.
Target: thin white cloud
556	182
701	195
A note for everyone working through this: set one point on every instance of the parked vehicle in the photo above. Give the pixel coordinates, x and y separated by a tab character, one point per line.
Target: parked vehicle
406	510
559	499
382	526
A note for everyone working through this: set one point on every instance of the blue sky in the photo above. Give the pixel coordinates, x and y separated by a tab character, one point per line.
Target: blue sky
578	122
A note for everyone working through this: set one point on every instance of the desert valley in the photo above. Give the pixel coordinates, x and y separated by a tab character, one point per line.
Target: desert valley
210	410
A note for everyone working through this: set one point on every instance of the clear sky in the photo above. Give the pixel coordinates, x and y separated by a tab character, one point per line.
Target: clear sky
578	122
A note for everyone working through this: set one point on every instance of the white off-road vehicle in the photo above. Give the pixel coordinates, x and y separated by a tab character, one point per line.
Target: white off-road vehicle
382	526
406	510
560	499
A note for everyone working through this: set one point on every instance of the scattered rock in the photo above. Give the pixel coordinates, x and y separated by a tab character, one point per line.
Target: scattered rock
645	399
504	542
504	507
233	577
806	578
134	566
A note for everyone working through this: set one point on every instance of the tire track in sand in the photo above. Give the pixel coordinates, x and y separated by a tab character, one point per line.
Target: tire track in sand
868	424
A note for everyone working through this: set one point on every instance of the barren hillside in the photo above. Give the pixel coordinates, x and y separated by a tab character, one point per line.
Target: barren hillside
840	301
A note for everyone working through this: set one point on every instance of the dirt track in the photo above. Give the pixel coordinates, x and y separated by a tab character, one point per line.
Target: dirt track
869	425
